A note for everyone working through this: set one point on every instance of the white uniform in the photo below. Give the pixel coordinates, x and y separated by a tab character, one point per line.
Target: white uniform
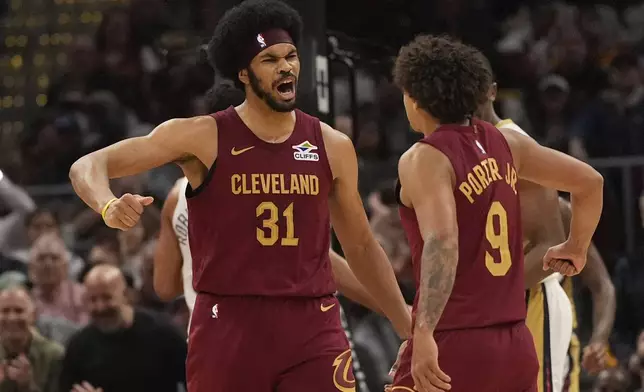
180	227
549	320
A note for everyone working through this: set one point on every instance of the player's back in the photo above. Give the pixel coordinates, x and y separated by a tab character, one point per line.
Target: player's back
259	225
488	289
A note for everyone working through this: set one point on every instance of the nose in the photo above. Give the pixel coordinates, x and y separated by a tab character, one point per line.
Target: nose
284	66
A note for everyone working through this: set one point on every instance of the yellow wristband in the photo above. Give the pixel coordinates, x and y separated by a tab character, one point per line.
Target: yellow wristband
107	205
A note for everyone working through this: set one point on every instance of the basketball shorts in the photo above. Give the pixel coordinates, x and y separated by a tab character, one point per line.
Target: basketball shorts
265	344
550	322
490	359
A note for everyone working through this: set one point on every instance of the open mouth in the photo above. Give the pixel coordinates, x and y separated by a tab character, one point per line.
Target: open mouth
286	89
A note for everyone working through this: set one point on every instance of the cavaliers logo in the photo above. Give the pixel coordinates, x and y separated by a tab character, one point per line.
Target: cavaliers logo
342	373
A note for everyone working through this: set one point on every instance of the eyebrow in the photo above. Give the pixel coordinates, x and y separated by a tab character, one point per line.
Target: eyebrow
272	56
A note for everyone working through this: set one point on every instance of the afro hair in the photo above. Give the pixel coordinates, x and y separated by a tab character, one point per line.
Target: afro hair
223	95
448	79
241	24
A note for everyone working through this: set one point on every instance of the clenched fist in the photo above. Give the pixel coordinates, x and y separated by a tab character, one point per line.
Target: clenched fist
125	212
565	258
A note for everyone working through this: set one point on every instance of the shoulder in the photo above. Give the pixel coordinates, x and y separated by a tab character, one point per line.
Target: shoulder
334	139
424	158
192	122
339	150
186	128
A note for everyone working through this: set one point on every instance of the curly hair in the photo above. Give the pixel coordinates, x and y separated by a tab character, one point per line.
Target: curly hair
447	78
241	24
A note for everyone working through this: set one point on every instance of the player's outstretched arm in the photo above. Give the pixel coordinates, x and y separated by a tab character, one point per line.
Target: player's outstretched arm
349	285
365	256
172	141
556	170
167	257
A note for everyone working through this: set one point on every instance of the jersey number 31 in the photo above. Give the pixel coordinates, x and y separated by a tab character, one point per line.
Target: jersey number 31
269	233
498	240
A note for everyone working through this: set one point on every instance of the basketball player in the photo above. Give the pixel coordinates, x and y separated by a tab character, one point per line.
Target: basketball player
173	261
265	183
460	210
550	317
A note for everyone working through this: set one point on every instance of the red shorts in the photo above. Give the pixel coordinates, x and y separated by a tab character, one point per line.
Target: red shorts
264	344
491	359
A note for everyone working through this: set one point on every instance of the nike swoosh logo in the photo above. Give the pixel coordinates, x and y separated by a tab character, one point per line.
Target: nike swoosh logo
243	150
326	308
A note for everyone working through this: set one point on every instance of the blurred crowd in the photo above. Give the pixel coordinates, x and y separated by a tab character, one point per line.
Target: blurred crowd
571	75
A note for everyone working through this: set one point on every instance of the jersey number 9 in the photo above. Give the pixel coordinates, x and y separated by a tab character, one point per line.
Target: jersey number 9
498	240
269	233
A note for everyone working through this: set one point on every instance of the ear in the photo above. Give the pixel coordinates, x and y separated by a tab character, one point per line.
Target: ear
415	103
492	92
243	76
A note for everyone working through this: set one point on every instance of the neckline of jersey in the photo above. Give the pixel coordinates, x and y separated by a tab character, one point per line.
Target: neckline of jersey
262	141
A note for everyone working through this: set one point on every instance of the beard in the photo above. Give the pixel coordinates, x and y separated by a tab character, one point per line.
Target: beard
278	106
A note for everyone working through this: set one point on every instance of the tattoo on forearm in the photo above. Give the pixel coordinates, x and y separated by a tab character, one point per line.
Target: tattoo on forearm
438	271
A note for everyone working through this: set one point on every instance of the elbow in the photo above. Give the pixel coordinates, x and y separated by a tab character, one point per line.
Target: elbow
78	168
594	182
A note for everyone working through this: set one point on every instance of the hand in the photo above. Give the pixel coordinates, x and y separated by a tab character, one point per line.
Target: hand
19	370
594	357
85	387
565	258
428	377
125	212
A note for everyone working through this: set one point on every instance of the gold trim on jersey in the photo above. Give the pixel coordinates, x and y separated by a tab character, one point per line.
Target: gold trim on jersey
502	123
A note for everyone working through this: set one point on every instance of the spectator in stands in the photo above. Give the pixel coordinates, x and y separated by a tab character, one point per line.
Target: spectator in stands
18	204
41	221
123	349
55	294
30	362
551	116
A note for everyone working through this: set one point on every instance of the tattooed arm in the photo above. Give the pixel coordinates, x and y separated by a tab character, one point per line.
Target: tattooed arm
427	182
